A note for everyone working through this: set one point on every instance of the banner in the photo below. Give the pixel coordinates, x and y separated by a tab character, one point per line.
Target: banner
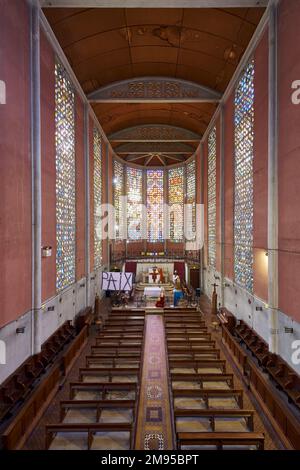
117	281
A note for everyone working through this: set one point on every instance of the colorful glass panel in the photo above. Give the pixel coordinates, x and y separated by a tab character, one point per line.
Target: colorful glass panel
176	203
155	203
212	187
243	179
134	192
97	198
65	178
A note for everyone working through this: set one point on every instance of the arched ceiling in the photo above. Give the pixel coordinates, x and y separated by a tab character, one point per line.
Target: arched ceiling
109	45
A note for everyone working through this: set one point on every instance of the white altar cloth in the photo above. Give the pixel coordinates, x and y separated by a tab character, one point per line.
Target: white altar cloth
152	291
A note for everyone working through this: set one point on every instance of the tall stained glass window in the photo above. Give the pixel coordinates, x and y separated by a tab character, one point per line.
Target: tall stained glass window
176	203
118	198
134	192
191	197
155	203
243	179
212	188
65	178
97	198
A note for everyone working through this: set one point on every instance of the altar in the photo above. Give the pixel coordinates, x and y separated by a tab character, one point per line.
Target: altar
154	273
152	291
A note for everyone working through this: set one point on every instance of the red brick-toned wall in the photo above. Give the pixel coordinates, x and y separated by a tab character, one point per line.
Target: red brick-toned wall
260	170
15	163
48	166
288	158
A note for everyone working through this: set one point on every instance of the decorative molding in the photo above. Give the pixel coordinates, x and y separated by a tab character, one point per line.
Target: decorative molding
154	133
159	147
154	89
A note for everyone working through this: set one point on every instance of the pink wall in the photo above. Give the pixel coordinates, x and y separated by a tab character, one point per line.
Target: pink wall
228	181
289	160
15	163
48	167
80	191
260	170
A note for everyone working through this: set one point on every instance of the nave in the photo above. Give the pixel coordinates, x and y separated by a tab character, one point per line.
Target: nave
115	396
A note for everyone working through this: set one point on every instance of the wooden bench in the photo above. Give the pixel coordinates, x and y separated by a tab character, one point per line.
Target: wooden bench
277	368
191	346
114	361
17	388
104	388
23	423
207	394
208	353
212	415
119	343
237	351
198	364
109	372
219	440
74	349
89	429
201	378
97	405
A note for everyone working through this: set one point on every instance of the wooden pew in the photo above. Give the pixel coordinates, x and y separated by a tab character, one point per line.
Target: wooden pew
207	394
109	372
191	346
248	415
198	364
104	388
108	361
220	440
117	351
237	351
98	405
201	378
89	429
119	343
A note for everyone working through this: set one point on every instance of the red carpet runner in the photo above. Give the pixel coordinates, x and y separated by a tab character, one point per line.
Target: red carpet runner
154	428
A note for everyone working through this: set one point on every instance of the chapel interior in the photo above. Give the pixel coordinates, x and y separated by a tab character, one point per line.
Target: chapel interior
150	227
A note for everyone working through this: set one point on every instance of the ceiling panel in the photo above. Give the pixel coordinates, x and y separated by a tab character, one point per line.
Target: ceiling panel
199	45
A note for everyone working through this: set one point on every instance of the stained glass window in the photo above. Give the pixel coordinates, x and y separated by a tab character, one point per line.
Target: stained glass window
97	198
65	178
243	179
191	198
155	203
176	203
134	192
212	187
119	198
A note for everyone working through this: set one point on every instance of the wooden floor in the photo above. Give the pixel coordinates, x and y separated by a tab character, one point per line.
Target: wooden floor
192	400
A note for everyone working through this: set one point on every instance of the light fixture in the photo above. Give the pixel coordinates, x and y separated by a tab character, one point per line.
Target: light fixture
266	253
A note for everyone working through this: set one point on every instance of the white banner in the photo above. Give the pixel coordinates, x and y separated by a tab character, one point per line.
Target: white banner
117	281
